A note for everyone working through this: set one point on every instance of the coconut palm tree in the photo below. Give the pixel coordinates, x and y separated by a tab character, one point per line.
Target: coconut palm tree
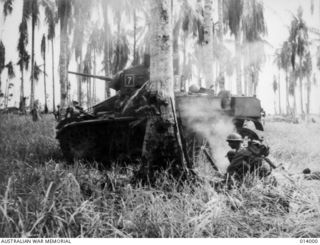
253	28
2	60
64	11
245	18
277	61
24	58
191	21
120	42
135	8
208	42
43	54
232	17
121	52
96	42
285	62
160	146
293	76
298	39
107	45
11	75
33	9
87	67
82	17
50	17
275	89
306	71
107	49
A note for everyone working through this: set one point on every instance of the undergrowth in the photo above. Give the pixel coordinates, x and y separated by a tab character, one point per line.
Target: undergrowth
42	197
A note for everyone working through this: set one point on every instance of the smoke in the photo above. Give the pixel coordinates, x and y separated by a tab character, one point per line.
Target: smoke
205	117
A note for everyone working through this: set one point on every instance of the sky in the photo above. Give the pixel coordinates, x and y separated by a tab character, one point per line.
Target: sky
278	15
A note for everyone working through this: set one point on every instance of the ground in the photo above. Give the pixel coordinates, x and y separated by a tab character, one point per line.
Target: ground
41	197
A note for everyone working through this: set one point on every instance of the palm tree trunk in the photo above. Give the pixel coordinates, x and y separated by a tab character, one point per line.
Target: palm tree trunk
94	80
238	65
208	39
275	103
308	95
88	92
32	63
220	19
300	86
0	83
160	147
107	93
279	93
53	85
294	102
135	58
79	90
45	85
287	93
118	39
6	95
255	82
246	69
176	56
183	79
246	81
63	61
21	107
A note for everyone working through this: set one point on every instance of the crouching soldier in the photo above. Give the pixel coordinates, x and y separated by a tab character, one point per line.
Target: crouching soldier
246	160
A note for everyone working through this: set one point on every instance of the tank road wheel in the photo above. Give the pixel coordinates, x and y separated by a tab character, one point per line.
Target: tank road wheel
81	145
246	132
64	145
76	143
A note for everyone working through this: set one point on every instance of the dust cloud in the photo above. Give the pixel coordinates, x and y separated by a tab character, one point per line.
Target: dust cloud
205	117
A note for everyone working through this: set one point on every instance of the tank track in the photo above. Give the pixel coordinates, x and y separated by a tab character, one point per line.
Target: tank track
102	141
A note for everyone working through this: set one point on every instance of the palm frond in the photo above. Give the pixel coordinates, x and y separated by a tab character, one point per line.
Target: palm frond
22	44
233	15
36	71
64	8
120	54
253	22
43	46
50	17
7	7
96	39
11	73
298	37
275	84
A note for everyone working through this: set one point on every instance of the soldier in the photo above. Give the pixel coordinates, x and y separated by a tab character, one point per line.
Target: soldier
35	111
246	160
235	142
57	113
308	175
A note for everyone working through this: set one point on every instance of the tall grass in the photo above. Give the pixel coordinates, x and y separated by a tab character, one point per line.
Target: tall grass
41	197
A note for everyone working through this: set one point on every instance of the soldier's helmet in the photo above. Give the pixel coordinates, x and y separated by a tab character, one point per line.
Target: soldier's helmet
234	137
194	88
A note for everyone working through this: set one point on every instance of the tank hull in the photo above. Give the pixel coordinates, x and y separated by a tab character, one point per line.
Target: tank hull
110	137
102	140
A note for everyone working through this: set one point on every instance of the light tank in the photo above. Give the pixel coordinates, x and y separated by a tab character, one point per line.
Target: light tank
114	129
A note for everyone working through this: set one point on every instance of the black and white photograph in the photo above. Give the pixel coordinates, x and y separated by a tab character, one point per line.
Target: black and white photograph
159	119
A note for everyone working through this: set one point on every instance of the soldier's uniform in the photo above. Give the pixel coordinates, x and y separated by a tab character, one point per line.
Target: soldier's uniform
248	160
244	162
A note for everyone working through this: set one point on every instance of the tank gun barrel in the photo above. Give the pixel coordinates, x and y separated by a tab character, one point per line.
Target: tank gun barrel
89	75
